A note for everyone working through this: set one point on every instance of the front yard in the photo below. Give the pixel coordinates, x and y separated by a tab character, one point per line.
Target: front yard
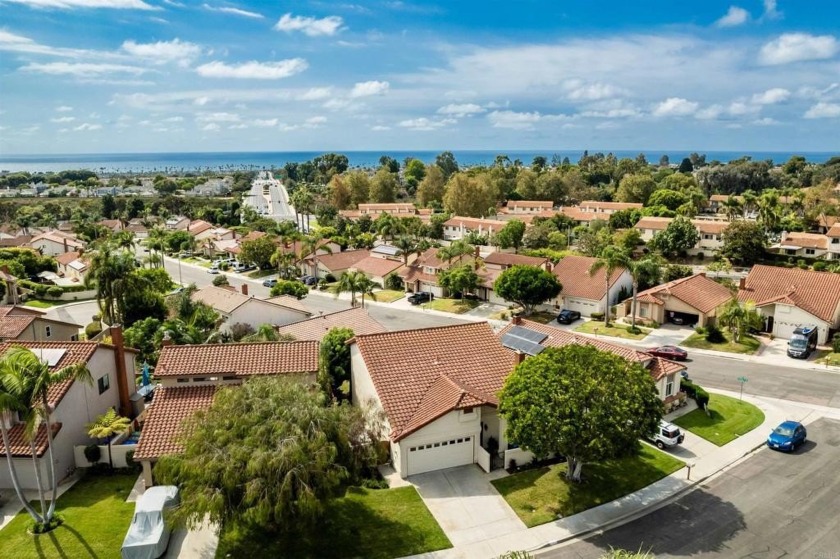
456	306
616	330
370	523
96	518
729	418
748	344
541	495
828	358
388	295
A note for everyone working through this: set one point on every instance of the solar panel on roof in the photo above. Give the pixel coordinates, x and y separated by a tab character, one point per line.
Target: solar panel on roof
520	344
527	334
50	356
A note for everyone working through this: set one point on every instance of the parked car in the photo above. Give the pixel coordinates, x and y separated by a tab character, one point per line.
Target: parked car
309	280
787	436
148	534
803	342
242	267
213	269
567	317
667	435
420	297
270	282
669	352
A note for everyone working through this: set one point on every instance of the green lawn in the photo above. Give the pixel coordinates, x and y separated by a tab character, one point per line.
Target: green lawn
730	418
38	304
748	344
261	273
615	330
541	317
828	358
388	295
96	518
457	306
541	495
369	523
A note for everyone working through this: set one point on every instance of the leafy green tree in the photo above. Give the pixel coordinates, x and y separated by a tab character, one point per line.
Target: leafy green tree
221	280
415	171
106	426
470	196
510	236
447	164
334	363
740	319
635	188
671	199
612	258
383	187
593	239
539	236
432	187
744	242
258	252
527	286
676	271
680	236
339	192
686	166
108	207
359	184
459	279
354	282
158	279
270	453
141	336
579	402
296	289
647	270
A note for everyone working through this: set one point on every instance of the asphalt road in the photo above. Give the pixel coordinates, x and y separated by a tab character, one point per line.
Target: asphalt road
772	505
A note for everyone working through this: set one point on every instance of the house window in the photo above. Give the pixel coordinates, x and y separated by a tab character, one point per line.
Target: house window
809	251
835	241
643	311
74	338
48	331
182	380
790	251
468	411
104	383
708	237
669	386
199	379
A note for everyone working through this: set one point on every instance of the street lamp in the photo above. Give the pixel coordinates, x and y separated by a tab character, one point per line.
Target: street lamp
742	380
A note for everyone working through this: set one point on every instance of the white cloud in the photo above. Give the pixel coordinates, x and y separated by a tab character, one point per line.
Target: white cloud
316	120
734	17
69	4
81	69
336	104
460	110
425	124
162	52
87	127
253	70
174	119
739	108
823	110
63	119
265	123
675	106
520	120
797	47
367	89
709	113
217	117
310	26
240	126
809	92
611	108
210	127
315	94
592	92
63	109
766	121
233	11
770	11
201	101
771	96
380	128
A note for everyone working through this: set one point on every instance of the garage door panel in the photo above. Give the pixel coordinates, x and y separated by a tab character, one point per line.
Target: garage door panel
437	455
585	308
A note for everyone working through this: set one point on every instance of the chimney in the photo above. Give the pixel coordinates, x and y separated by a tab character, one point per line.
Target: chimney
476	252
167	339
518	358
119	359
66	249
244	288
783	236
742	283
516	320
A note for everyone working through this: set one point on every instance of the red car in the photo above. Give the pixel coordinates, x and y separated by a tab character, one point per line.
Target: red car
669	352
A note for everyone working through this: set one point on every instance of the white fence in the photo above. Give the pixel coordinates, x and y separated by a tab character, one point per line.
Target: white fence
484	459
521	457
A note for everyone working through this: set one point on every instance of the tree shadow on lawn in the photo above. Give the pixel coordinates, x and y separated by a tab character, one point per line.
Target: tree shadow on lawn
698	523
53	548
349	529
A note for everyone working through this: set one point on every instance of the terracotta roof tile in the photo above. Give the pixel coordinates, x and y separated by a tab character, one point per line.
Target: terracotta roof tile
614	206
289	302
13	325
805	240
242	359
198	226
67	257
376	266
815	292
405	207
698	291
545	204
340	261
573	274
19	443
475	223
834	231
509	259
357	319
166	418
711	227
404	366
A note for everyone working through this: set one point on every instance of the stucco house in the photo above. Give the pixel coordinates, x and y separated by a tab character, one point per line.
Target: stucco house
75	403
790	297
422	273
710	232
55	242
528	206
189	376
607	208
239	308
73	265
803	245
497	262
588	294
458	227
833	236
335	264
376	269
26	324
315	328
695	299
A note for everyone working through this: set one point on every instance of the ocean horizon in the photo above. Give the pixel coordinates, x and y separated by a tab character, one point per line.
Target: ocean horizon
232	161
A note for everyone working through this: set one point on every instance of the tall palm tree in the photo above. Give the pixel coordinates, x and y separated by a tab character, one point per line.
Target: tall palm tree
739	319
388	226
768	209
611	259
647	267
284	260
454	250
732	207
750	200
10	404
31	379
106	426
353	283
408	246
112	274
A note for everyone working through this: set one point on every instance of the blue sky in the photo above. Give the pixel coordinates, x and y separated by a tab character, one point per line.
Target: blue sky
93	76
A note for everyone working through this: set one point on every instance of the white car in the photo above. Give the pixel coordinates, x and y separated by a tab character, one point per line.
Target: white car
148	534
213	270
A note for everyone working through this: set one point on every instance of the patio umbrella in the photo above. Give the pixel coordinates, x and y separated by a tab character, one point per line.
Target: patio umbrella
147	377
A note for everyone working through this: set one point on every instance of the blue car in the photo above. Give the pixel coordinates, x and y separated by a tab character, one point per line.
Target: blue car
787	436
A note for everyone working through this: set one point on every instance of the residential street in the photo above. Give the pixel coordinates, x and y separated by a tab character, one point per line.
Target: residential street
771	505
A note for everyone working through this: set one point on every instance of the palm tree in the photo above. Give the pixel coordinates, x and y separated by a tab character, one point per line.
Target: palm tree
732	207
31	380
611	259
10	405
408	246
124	240
768	209
354	282
647	267
106	426
112	274
739	320
454	250
750	199
284	260
387	226
265	333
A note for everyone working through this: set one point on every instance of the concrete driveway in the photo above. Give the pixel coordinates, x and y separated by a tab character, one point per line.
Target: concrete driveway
466	505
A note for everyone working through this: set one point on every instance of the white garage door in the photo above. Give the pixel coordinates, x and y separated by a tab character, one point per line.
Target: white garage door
439	455
584	307
784	329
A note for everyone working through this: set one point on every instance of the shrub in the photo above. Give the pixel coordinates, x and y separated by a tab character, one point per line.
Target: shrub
394	282
44	527
240	330
700	330
701	256
819	266
511	466
688	387
375	483
132	465
835	343
701	397
290	287
93	329
714	335
220	280
93	453
597	316
802	264
55	292
330	278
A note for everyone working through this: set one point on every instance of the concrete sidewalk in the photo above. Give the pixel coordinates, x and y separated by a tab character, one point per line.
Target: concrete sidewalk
704	458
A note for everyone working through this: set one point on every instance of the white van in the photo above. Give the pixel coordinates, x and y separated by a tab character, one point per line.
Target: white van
667	435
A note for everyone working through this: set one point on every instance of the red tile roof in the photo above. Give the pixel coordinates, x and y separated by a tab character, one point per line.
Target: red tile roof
697	291
167	419
340	261
711	227
357	319
242	359
815	292
834	231
375	266
546	204
67	257
615	206
20	445
475	223
805	240
573	274
509	259
421	375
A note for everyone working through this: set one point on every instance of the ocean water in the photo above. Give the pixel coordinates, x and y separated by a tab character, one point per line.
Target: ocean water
230	161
